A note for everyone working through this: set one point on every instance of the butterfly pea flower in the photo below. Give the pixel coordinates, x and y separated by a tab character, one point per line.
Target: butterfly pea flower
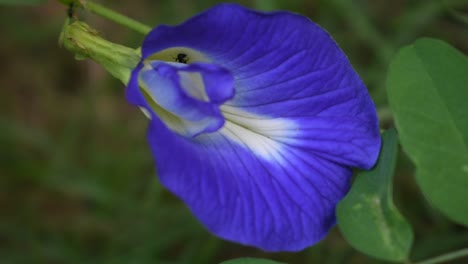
256	121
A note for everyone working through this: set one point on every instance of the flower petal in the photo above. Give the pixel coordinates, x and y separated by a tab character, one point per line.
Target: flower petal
300	118
284	201
185	96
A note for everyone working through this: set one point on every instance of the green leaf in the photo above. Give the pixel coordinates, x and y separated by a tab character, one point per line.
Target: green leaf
250	261
21	2
428	93
367	217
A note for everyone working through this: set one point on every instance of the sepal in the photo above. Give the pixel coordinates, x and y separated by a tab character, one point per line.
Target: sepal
85	42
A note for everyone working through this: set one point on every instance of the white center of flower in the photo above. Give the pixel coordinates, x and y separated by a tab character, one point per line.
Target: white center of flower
259	134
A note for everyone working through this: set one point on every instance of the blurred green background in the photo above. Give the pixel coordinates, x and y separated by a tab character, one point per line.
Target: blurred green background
77	182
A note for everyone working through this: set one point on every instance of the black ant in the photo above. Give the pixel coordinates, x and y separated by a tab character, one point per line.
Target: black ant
182	58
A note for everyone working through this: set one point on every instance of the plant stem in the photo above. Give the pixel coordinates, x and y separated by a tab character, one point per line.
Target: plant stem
446	257
85	42
116	17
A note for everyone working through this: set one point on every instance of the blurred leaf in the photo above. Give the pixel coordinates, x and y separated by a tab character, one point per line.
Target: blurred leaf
266	5
21	2
459	16
451	5
249	261
367	217
427	89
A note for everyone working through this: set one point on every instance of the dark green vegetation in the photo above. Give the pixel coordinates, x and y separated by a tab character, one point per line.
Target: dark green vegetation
77	182
367	217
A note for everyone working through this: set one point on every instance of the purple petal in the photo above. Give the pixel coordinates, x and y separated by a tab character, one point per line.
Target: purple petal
284	201
186	95
299	120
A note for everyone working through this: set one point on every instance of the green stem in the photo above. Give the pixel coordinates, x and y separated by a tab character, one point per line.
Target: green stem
446	257
109	14
116	17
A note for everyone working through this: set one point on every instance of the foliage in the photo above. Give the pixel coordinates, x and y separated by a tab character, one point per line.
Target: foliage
427	92
77	182
367	216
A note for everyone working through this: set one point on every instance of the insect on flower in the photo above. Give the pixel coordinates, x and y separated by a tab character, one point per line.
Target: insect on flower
182	58
258	135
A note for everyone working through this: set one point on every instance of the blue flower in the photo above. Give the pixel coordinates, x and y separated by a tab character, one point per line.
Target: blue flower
256	121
